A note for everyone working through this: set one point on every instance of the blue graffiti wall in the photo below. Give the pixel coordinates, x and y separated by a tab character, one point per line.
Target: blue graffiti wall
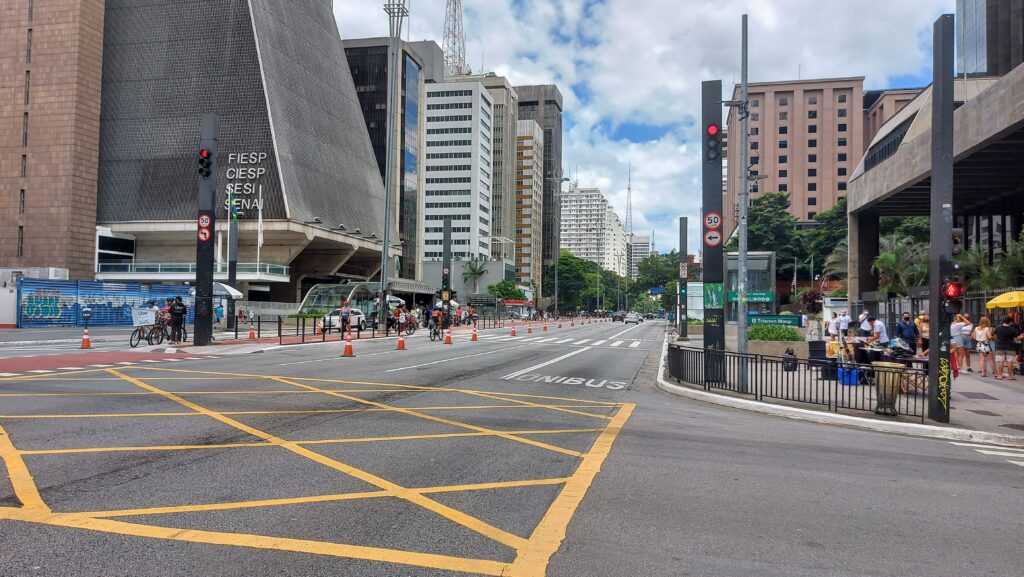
43	303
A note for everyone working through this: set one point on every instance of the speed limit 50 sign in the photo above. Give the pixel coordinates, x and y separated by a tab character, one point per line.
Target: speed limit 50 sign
713	221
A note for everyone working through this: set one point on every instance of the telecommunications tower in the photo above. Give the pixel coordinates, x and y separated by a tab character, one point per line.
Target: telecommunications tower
454	40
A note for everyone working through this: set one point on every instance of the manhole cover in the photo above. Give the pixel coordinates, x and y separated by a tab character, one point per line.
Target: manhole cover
979	396
1014	426
984	413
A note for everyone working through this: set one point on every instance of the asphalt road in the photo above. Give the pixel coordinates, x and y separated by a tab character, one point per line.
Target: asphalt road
548	454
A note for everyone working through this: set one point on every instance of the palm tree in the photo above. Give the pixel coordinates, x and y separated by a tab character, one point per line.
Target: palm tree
837	263
901	263
474	269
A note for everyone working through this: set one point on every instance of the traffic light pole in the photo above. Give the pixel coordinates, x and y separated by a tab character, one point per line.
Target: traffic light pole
940	378
207	219
743	196
446	265
681	284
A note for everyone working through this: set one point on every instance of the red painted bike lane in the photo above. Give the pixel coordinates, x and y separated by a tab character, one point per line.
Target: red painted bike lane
83	360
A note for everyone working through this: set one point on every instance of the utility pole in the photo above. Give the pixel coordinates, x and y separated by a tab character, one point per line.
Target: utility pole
744	190
207	221
397	12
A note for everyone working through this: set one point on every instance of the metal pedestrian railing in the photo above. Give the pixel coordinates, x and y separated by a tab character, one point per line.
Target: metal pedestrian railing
888	388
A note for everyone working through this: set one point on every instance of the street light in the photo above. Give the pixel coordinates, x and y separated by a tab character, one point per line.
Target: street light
558	244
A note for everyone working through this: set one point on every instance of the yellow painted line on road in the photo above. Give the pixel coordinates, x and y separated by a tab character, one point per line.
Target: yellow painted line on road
308	442
538	405
318	499
247	392
449	513
547	537
318	380
428	560
549	398
34	377
21	479
437	419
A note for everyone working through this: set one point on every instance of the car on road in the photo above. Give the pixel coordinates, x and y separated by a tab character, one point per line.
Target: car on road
618	316
357	320
633	318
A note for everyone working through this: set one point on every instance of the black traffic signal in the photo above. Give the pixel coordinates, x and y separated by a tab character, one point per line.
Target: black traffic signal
205	160
958	240
713	141
952	297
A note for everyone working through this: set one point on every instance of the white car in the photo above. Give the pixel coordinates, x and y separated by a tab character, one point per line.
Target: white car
632	318
357	320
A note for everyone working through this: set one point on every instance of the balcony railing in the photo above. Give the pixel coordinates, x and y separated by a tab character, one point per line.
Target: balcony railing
190	268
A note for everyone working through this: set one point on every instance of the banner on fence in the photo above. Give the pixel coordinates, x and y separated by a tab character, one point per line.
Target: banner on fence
789	320
44	303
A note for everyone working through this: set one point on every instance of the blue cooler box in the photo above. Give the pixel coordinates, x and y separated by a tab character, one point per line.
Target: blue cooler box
848	376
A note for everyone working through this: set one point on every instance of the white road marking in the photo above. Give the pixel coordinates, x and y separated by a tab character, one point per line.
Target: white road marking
9	374
544	364
126	363
996	453
453	359
514	338
548	340
599	343
146	361
101	366
986	446
584	341
616	343
70	369
1021	463
174	360
563	341
40	371
625	331
634	344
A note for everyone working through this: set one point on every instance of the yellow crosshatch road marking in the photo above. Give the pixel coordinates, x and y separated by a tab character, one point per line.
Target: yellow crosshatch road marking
531	555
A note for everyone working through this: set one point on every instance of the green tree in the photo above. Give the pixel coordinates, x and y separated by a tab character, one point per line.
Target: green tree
823	239
770	227
916	227
473	270
837	262
506	290
902	263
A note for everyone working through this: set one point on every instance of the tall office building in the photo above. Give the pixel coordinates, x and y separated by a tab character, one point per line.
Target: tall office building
639	249
369	62
543	103
806	138
990	36
591	229
529	211
458	169
51	73
503	154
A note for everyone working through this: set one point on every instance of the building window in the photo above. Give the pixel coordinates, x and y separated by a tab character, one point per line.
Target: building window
24	130
755	103
783	130
755	117
812	158
812	143
783	144
28	47
783	101
783	188
811	215
31	9
842	128
842	113
811	187
842	171
28	83
812	114
753	188
812	172
753	145
24	165
783	159
755	131
842	142
783	173
813	129
842	186
21	202
812	99
842	157
783	116
21	241
842	98
755	159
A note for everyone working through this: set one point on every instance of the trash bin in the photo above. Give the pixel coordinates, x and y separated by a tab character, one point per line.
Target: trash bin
887	381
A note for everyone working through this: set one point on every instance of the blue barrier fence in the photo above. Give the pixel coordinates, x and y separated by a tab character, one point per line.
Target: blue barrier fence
50	303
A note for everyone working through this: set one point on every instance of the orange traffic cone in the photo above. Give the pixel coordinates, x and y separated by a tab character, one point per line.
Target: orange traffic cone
559	324
401	343
85	340
513	331
545	327
473	338
529	329
319	328
448	338
252	333
348	347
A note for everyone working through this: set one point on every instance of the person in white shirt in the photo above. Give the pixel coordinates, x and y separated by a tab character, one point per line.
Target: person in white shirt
844	323
879	336
865	324
833	327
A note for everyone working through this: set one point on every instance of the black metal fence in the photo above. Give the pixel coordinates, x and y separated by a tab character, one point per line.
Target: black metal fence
890	390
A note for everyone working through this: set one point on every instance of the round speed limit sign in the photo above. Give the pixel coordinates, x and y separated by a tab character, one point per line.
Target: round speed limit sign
204	221
713	221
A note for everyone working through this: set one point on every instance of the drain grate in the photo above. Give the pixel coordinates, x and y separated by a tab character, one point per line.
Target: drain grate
984	413
979	396
1014	426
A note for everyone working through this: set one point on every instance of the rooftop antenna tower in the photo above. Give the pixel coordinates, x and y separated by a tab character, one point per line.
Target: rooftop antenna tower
454	40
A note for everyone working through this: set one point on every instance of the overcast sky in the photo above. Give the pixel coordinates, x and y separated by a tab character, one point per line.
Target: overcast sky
630	72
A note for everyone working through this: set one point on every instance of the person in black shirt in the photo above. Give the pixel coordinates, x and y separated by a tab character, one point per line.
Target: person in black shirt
1006	349
178	311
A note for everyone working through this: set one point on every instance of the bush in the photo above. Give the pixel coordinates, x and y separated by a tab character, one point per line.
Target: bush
773	333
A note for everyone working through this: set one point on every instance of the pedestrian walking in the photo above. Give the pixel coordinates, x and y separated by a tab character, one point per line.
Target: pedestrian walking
832	327
983	337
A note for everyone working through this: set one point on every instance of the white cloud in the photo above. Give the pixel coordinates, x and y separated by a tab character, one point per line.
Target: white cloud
642	61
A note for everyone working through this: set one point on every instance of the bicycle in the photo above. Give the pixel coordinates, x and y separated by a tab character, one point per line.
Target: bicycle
408	327
435	332
137	335
168	330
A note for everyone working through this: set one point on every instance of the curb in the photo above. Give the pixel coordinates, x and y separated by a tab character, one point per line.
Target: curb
912	429
58	342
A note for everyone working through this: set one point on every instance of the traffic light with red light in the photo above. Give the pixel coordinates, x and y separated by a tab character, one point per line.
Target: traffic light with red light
205	160
713	141
952	297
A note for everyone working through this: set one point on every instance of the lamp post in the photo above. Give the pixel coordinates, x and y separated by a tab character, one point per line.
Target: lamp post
397	11
558	244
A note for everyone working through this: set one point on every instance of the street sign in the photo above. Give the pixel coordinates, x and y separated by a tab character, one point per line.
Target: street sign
204	234
204	221
713	221
445	270
446	296
712	238
682	270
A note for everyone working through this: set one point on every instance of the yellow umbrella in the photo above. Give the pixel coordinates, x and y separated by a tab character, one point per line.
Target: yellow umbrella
1008	300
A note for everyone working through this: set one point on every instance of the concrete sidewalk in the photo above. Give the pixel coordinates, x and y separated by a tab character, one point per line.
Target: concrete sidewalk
979	404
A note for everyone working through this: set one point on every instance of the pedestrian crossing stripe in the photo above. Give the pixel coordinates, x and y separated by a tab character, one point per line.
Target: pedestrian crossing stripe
996	451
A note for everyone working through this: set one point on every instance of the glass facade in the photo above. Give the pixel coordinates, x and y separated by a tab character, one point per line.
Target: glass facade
411	78
971	37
